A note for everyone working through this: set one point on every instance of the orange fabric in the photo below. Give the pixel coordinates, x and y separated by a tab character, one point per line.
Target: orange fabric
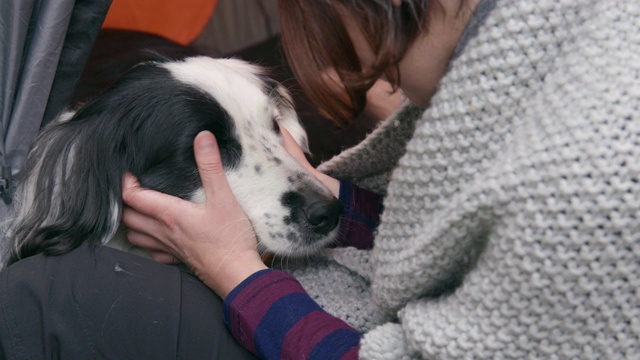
178	20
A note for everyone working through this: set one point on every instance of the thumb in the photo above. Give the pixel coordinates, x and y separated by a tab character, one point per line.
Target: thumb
209	163
294	149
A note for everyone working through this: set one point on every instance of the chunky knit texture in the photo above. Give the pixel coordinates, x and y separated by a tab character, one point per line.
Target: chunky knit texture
512	212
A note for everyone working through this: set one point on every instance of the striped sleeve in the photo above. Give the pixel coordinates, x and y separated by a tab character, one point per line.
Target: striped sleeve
360	217
272	316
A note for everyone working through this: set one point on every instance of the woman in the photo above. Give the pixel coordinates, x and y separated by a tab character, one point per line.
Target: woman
510	225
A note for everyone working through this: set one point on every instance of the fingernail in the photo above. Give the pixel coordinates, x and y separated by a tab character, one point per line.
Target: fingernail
130	180
206	142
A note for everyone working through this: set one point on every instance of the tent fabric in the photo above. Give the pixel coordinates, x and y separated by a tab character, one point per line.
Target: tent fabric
180	21
44	46
81	36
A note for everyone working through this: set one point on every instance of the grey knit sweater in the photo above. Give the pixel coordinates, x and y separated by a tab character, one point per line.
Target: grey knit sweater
512	212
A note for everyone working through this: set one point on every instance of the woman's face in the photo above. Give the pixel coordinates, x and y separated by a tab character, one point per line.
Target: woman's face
426	61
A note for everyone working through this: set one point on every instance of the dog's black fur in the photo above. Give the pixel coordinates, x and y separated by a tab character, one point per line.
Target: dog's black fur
148	92
145	124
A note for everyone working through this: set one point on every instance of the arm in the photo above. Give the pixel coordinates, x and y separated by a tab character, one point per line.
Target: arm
271	315
205	237
211	238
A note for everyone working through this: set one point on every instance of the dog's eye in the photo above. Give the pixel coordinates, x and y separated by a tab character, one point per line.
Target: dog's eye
276	125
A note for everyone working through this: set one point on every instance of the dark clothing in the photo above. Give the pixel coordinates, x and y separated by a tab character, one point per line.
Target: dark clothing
360	216
105	303
108	304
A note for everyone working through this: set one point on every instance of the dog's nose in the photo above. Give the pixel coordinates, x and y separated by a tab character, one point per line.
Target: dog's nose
323	216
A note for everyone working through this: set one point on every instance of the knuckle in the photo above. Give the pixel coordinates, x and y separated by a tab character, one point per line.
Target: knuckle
126	217
212	167
159	257
127	196
168	220
132	237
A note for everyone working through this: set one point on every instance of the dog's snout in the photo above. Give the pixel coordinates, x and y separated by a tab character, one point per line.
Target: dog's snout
323	216
313	211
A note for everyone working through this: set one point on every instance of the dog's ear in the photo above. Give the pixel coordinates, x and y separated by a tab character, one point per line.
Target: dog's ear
145	124
68	192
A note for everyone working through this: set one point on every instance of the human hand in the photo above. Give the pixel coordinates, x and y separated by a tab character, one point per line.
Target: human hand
382	100
215	239
294	149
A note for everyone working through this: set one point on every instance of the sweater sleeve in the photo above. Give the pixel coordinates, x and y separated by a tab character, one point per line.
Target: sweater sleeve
271	315
360	217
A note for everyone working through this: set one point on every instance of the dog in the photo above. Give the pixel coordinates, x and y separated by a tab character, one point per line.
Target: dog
145	124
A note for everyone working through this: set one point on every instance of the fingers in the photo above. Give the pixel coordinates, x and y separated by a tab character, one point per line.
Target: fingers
146	241
138	222
138	228
210	166
294	149
143	200
156	249
382	100
211	170
164	258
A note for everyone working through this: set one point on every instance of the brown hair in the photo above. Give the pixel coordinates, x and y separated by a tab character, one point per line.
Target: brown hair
315	40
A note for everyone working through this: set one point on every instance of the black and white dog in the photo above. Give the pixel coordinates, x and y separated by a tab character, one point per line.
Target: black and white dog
145	124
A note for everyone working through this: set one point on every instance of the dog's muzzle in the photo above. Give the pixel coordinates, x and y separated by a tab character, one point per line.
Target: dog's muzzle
314	213
323	216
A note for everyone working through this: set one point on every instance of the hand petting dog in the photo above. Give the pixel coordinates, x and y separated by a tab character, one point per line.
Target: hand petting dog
215	239
294	150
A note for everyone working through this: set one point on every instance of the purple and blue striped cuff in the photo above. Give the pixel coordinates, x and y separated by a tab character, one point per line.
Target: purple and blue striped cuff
271	315
360	217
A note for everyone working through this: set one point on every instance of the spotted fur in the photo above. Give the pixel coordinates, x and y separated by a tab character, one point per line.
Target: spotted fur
145	124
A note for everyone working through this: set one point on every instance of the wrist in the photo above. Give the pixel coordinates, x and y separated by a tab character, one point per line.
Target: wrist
223	278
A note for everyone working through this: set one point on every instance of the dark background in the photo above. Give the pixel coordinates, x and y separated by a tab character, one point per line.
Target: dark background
116	51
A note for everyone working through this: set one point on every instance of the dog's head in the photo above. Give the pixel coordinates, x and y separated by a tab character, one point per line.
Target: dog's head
146	124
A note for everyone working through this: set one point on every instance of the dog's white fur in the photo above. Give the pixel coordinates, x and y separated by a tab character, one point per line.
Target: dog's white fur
264	173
